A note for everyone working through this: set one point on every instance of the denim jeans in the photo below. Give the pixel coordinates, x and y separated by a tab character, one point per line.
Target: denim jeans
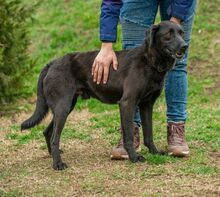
138	15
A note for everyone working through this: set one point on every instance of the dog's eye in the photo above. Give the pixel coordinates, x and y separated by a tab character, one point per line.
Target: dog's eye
167	36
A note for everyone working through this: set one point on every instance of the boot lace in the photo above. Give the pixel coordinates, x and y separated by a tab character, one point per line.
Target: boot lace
176	133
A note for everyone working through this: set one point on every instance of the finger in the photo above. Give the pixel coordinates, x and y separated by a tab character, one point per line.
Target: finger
106	73
100	73
115	62
93	67
95	73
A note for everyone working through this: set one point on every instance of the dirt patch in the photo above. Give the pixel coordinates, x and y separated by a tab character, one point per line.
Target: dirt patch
215	88
215	157
27	168
92	173
209	69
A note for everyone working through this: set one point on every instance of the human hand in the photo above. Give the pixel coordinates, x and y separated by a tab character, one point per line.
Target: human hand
102	62
175	20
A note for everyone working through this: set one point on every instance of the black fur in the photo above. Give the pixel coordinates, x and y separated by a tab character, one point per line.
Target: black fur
41	105
138	81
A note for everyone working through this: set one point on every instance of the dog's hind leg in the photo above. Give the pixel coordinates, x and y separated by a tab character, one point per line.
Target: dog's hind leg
146	110
47	134
61	111
49	130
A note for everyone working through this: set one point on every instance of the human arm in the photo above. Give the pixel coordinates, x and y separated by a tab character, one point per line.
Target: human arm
179	9
110	10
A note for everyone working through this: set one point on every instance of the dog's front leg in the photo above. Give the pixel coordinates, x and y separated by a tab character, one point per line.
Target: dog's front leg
146	110
127	107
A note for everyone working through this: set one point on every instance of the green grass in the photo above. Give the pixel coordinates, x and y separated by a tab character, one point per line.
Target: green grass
201	170
22	137
70	133
13	193
60	27
36	133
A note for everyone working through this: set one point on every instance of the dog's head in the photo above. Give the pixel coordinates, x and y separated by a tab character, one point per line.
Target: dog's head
167	39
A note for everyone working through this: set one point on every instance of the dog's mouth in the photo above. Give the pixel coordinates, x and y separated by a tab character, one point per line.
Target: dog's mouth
170	53
179	55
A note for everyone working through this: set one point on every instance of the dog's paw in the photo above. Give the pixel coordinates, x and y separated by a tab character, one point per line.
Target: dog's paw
158	152
153	150
162	152
59	166
141	158
138	158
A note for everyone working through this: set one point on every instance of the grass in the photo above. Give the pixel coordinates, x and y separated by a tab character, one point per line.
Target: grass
60	27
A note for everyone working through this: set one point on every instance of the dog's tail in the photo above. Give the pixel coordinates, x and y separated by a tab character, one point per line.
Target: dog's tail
41	105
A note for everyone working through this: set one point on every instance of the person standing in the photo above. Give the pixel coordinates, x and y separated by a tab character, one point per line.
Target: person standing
136	16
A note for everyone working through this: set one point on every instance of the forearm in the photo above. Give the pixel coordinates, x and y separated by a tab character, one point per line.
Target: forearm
110	10
179	9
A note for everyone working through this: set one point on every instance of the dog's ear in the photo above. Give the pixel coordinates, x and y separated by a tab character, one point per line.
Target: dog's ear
150	35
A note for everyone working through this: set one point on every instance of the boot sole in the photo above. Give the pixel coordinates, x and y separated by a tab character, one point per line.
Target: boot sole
119	157
122	157
179	154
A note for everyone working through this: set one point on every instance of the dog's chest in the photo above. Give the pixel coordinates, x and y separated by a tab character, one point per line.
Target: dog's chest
152	91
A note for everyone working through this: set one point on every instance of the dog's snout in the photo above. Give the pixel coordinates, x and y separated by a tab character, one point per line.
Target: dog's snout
183	48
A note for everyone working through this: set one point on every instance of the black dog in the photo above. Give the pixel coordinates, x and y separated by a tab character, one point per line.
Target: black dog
138	81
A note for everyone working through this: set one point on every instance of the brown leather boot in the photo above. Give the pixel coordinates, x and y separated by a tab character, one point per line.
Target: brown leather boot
177	145
119	151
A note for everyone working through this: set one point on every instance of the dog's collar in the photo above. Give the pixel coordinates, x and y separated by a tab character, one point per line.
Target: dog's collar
166	68
152	61
158	69
161	70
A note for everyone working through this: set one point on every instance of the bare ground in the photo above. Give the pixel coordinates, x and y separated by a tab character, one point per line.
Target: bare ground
210	68
27	169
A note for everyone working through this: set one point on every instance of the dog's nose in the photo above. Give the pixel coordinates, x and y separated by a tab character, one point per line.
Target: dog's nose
183	48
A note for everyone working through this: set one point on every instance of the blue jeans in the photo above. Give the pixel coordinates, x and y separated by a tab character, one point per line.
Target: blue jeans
138	15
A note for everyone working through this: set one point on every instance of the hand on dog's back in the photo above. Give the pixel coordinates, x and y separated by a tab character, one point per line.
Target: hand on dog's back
102	62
